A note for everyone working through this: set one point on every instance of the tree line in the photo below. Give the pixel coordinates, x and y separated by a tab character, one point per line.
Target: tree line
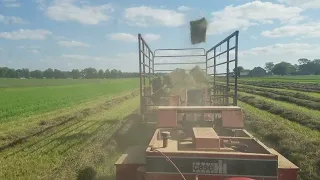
87	73
305	67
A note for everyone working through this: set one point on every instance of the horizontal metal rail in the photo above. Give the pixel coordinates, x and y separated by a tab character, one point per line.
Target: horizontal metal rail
236	33
147	56
179	63
180	49
163	70
183	56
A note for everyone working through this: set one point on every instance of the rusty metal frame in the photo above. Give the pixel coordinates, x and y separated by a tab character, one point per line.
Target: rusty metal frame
220	91
203	54
146	70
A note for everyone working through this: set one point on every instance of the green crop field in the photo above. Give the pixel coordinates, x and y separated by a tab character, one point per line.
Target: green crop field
46	125
19	103
10	82
66	129
284	112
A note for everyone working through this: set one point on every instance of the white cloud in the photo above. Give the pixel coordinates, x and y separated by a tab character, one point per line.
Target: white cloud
284	49
83	57
252	14
276	53
41	4
309	30
253	37
34	51
145	16
302	3
73	44
57	37
37	34
87	58
98	62
184	8
11	3
31	49
123	37
127	37
67	10
28	47
151	37
12	20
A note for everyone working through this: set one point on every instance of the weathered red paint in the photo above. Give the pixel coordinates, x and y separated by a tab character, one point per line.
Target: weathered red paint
287	174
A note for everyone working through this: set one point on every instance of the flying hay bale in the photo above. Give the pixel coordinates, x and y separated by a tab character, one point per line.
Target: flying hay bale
177	76
177	81
198	29
198	75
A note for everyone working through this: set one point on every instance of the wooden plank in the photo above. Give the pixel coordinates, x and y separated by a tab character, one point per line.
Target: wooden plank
204	132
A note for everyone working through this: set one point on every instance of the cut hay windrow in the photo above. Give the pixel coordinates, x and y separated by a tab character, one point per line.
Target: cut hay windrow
308	120
296	94
283	97
297	143
305	87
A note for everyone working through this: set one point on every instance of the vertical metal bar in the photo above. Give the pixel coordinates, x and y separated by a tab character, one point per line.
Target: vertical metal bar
149	74
207	63
214	71
209	90
152	64
235	98
227	88
141	98
144	67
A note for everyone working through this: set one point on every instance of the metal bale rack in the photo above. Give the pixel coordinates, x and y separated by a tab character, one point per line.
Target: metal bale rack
206	147
219	91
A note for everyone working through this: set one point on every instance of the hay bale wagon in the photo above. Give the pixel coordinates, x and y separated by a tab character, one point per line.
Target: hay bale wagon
216	147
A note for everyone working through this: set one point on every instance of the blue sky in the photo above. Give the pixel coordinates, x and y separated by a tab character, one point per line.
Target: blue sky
67	34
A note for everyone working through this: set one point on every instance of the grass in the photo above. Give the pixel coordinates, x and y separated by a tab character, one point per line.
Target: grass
286	97
299	144
21	103
11	131
283	112
22	83
301	115
297	94
300	79
304	87
42	157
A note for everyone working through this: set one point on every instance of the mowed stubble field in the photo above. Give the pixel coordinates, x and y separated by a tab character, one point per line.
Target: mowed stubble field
284	113
63	129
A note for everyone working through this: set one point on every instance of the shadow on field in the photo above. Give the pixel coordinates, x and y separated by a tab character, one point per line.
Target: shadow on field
83	139
131	132
89	173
